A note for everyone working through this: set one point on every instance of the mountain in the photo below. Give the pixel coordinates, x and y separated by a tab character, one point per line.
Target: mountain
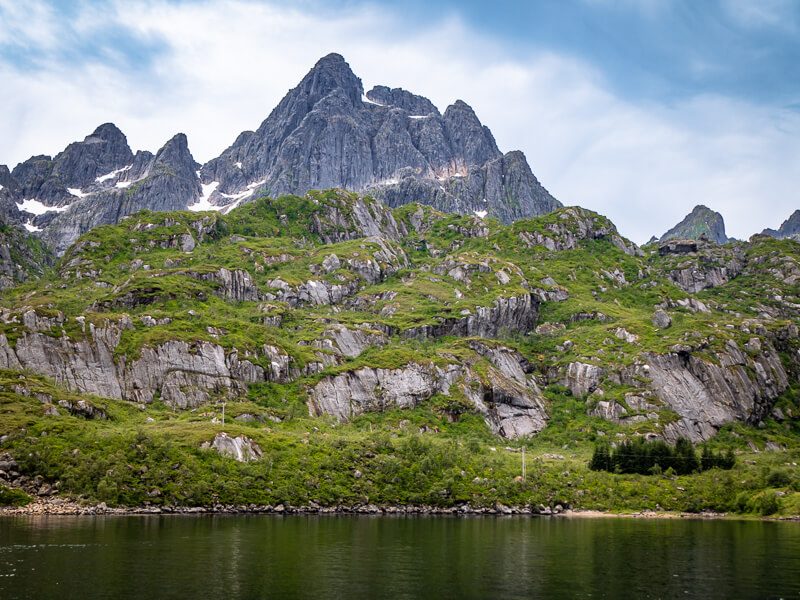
702	221
324	133
96	182
790	228
327	133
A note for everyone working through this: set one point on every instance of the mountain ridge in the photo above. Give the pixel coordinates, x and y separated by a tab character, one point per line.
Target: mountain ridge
325	132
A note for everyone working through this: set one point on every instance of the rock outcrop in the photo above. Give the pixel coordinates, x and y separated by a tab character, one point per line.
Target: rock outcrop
509	401
182	374
569	228
701	222
708	394
790	228
240	448
507	314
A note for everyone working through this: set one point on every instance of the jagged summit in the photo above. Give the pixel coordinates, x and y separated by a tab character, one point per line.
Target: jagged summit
395	144
415	105
325	133
701	221
790	228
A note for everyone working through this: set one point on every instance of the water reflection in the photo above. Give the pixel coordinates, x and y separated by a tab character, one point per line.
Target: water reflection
395	557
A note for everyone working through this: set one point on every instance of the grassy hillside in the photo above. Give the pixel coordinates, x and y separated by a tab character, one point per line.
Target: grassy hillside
301	290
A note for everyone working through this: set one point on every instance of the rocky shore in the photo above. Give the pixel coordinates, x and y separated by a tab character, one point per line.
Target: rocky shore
63	507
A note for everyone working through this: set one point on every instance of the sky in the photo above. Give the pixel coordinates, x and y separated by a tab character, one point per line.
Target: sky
637	109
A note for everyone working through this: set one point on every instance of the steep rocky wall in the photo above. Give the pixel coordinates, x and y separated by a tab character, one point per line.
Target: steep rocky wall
182	374
509	401
708	394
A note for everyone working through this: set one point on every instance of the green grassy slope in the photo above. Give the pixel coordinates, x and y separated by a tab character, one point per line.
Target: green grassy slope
165	275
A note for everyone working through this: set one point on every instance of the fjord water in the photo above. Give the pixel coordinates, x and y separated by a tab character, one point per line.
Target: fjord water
387	557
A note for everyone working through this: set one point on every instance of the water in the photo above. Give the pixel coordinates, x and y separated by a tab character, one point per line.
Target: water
162	557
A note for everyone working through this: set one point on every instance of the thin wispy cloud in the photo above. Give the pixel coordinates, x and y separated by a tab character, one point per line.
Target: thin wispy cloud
213	69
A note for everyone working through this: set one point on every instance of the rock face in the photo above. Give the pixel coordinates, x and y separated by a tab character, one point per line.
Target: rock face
512	314
166	181
702	221
509	401
790	228
184	375
240	448
697	265
707	395
327	133
582	378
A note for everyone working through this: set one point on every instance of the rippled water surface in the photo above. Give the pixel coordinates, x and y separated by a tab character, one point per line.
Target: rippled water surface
159	557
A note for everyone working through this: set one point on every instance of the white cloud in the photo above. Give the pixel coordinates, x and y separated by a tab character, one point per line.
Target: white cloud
227	64
749	14
647	8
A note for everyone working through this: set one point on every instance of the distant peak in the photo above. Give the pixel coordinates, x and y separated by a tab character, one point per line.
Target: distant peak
331	72
333	57
461	105
702	221
107	132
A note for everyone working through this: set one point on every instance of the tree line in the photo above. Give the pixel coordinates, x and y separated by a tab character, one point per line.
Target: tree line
652	458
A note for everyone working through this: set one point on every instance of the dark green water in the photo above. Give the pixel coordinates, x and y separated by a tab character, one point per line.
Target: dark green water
386	557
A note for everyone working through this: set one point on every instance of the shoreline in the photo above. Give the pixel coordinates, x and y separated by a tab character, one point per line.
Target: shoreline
62	507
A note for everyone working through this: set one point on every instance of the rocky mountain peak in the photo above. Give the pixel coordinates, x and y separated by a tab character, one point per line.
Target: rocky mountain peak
790	228
107	132
701	221
6	180
101	152
468	137
330	72
177	158
415	105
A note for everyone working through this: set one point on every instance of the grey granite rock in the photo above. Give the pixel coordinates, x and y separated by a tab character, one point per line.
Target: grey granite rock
395	144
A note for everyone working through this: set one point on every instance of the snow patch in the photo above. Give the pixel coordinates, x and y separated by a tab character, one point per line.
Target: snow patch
203	202
37	208
368	101
238	165
237	198
481	214
77	192
417	116
32	228
1	188
111	175
123	184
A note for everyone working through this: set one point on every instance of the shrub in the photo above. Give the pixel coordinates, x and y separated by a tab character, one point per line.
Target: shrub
778	478
13	497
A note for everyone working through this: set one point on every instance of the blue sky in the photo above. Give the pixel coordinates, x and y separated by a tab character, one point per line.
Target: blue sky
638	109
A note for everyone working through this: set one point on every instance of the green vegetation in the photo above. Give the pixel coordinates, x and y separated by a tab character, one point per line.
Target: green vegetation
282	284
656	456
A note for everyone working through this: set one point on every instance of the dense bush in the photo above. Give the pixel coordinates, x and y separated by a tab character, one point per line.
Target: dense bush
652	458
